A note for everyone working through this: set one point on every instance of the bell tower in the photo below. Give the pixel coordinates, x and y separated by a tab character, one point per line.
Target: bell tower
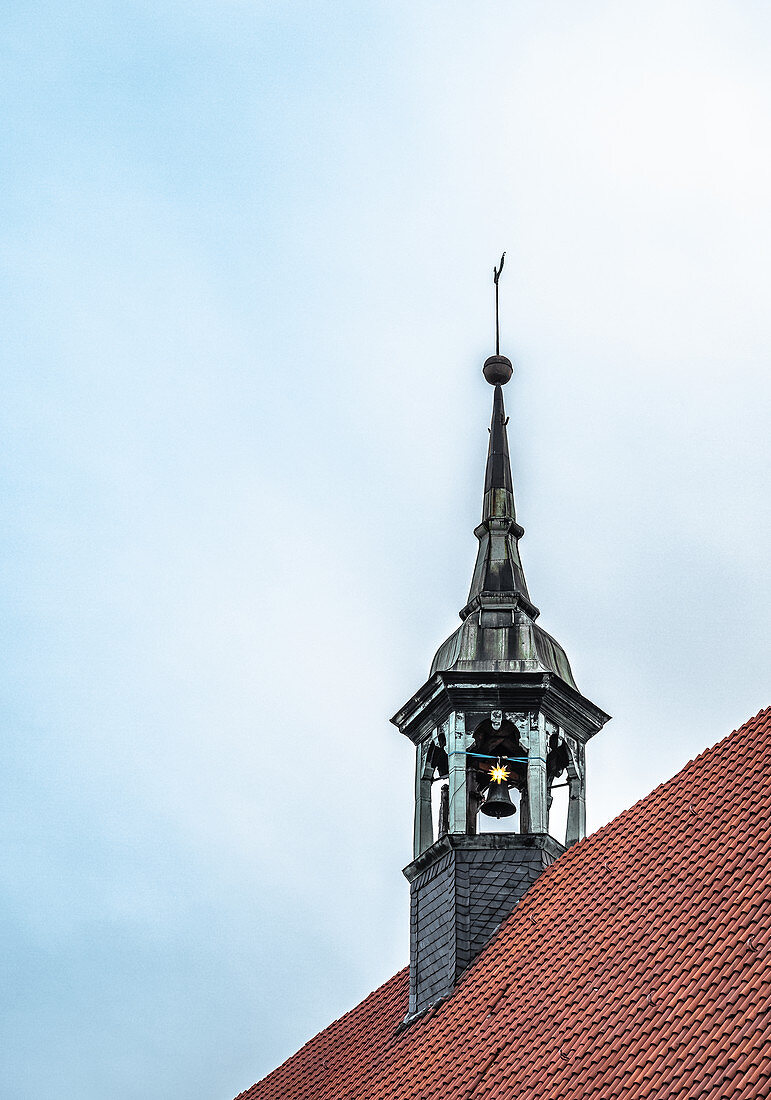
499	716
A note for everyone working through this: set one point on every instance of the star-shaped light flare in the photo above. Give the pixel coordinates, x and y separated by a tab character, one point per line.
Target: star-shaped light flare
499	773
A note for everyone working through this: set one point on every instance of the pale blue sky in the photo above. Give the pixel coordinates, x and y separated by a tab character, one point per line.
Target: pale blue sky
246	268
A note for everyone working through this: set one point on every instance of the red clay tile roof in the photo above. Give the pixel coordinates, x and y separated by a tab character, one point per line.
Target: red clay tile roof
638	965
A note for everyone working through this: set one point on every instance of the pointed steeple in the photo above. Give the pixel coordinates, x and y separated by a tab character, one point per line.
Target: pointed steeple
499	492
499	631
500	689
498	571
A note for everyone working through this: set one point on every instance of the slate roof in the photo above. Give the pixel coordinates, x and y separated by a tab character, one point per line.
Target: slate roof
638	965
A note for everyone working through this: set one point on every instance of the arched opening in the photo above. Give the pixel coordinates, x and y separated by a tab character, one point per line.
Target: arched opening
496	744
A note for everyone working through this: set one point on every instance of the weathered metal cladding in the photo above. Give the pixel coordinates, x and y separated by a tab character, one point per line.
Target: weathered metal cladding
498	469
486	642
476	691
499	632
498	504
498	566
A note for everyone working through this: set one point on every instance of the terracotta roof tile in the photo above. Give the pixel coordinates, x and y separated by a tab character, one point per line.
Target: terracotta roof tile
638	965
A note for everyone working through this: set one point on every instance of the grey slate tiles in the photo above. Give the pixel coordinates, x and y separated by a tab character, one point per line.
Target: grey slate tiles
462	887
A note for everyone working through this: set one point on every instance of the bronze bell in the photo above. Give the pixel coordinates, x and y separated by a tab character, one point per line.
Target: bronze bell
498	802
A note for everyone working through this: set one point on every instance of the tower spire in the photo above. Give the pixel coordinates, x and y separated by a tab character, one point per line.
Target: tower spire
498	497
498	572
500	690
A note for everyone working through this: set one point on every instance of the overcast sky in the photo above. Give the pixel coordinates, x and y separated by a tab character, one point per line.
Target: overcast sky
246	296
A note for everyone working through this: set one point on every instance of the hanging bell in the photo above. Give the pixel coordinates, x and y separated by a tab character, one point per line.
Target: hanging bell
498	802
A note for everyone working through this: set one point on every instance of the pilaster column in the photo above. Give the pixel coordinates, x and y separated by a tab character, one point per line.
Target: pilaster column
576	826
536	776
423	836
457	744
524	812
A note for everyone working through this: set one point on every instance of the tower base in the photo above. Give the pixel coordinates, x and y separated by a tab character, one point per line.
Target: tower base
461	888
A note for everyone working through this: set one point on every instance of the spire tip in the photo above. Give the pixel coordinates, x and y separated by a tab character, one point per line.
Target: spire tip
496	276
497	369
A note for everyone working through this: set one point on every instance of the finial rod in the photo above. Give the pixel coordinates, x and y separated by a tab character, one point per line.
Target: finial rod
497	369
496	276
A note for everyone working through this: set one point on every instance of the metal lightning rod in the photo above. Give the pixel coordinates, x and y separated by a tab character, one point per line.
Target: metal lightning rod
496	276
